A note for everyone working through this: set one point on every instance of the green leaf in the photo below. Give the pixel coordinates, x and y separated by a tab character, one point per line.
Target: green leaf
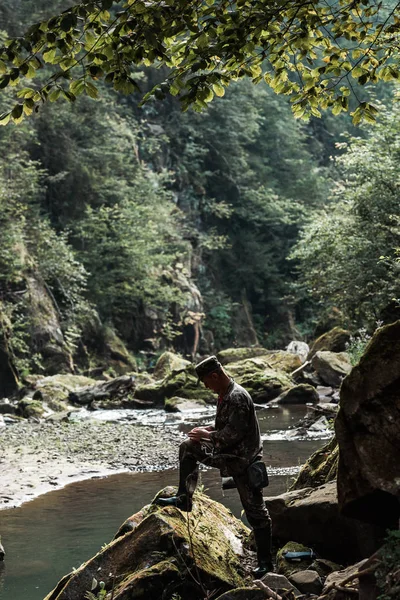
17	113
219	89
5	118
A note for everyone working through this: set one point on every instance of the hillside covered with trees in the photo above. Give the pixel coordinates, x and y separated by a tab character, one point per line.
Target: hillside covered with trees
126	229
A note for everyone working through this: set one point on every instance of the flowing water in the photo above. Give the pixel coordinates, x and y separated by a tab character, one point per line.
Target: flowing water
49	536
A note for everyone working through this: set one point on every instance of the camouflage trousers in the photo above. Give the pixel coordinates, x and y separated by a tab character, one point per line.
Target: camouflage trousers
192	453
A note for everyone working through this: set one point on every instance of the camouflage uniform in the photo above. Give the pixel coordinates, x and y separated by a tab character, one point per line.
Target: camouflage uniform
235	443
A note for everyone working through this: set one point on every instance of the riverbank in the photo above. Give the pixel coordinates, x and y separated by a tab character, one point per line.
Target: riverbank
36	458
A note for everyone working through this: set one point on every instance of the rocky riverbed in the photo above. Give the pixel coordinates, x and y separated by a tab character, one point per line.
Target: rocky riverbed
39	457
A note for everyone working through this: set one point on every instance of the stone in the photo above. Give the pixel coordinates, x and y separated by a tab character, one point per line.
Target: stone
288	567
236	354
45	328
300	348
6	408
157	551
58	387
311	516
331	367
277	582
2	421
169	363
321	425
335	340
299	394
336	578
176	404
307	582
118	357
368	432
324	391
184	384
320	468
29	408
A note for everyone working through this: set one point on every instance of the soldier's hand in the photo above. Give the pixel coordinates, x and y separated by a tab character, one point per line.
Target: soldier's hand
199	433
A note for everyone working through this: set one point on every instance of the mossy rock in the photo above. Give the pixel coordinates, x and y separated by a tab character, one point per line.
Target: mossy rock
56	388
236	354
30	408
177	404
118	356
299	394
287	568
335	340
169	363
331	367
184	384
157	551
324	567
261	381
320	468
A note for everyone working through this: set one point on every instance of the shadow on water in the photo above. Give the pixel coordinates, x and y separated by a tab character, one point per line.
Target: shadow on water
49	536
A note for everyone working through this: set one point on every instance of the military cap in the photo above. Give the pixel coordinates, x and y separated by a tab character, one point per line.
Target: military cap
207	366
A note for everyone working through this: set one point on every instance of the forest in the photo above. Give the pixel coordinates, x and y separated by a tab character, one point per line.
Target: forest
237	225
199	263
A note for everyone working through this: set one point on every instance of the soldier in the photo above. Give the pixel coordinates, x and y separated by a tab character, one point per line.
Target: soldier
232	446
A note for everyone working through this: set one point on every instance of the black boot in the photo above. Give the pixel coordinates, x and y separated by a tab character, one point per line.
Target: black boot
183	502
188	475
264	556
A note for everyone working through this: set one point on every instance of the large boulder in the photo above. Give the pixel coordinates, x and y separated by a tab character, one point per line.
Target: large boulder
231	355
368	432
118	357
157	550
311	516
57	388
183	383
335	340
169	363
265	377
299	394
331	367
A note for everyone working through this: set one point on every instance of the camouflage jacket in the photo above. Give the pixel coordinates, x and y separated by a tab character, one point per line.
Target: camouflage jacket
237	433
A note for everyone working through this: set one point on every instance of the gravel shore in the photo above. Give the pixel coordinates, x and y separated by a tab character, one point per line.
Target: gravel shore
38	457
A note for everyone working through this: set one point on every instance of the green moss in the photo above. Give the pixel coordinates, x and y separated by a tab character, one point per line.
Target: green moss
284	567
334	340
31	408
320	468
169	363
237	354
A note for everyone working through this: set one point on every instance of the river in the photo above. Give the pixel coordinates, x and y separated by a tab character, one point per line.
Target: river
49	536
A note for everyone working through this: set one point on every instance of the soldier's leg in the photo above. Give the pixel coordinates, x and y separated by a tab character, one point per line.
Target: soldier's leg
190	454
258	516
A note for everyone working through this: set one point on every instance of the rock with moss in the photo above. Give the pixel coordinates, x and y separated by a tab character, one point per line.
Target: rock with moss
29	408
260	379
287	567
169	363
116	353
320	468
56	388
45	328
184	384
335	340
236	354
368	432
159	552
331	367
299	394
177	404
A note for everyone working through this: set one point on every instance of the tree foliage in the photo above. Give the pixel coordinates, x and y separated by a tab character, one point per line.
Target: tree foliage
312	51
348	254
